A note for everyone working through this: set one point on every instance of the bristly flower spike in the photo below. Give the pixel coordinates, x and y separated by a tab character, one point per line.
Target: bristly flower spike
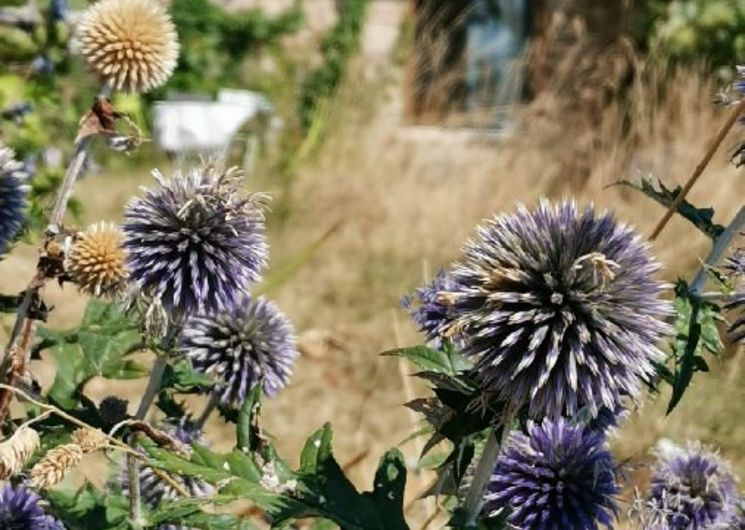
195	242
561	310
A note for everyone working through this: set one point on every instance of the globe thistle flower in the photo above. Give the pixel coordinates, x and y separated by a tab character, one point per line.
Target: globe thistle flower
153	489
559	475
429	310
13	191
131	44
692	488
560	309
240	346
95	261
194	242
20	509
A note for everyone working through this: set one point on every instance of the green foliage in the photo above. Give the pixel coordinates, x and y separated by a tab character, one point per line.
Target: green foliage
214	41
696	331
98	347
253	471
337	47
701	218
692	30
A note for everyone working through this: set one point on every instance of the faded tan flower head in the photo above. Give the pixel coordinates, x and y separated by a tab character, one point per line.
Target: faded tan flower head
95	262
89	440
16	451
51	469
131	44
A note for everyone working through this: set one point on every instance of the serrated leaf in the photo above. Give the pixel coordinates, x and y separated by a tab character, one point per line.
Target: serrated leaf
88	508
98	347
182	377
439	361
247	438
701	218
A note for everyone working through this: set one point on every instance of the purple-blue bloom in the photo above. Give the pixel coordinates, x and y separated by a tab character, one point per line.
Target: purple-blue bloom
560	308
13	191
20	510
252	340
429	309
195	241
691	489
558	476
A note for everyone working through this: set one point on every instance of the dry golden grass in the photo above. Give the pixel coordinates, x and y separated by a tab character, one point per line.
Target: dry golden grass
406	199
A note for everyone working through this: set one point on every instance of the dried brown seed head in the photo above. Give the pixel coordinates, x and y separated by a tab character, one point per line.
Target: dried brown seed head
16	450
55	465
89	440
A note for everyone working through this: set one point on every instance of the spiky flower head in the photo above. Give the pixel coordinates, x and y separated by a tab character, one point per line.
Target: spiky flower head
20	509
560	475
430	312
194	241
13	191
96	260
560	309
131	44
154	489
692	488
252	340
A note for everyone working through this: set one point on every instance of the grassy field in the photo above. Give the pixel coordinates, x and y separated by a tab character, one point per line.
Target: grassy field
403	201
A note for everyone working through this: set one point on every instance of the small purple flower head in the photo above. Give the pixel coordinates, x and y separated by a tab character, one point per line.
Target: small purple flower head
195	242
691	489
20	510
252	340
155	490
734	264
560	308
429	308
13	191
560	475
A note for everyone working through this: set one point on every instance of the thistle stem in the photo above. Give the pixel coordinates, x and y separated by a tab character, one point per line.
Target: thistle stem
474	501
720	247
208	409
731	120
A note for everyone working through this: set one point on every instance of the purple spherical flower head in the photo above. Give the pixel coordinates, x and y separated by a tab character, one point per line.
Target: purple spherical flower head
560	308
20	510
558	476
155	490
194	241
252	340
13	191
429	308
691	489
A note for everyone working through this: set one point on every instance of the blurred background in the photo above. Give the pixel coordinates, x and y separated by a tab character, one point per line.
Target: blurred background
385	130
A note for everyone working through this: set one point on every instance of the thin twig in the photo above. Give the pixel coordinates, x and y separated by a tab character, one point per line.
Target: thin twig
731	120
118	444
720	247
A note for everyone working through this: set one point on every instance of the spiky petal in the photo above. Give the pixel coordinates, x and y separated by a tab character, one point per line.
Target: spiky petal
20	509
130	44
195	242
240	346
560	475
430	309
13	192
560	309
692	488
95	262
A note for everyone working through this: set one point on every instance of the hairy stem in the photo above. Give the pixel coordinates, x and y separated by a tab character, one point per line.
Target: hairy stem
133	466
720	247
208	410
74	170
731	120
474	501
